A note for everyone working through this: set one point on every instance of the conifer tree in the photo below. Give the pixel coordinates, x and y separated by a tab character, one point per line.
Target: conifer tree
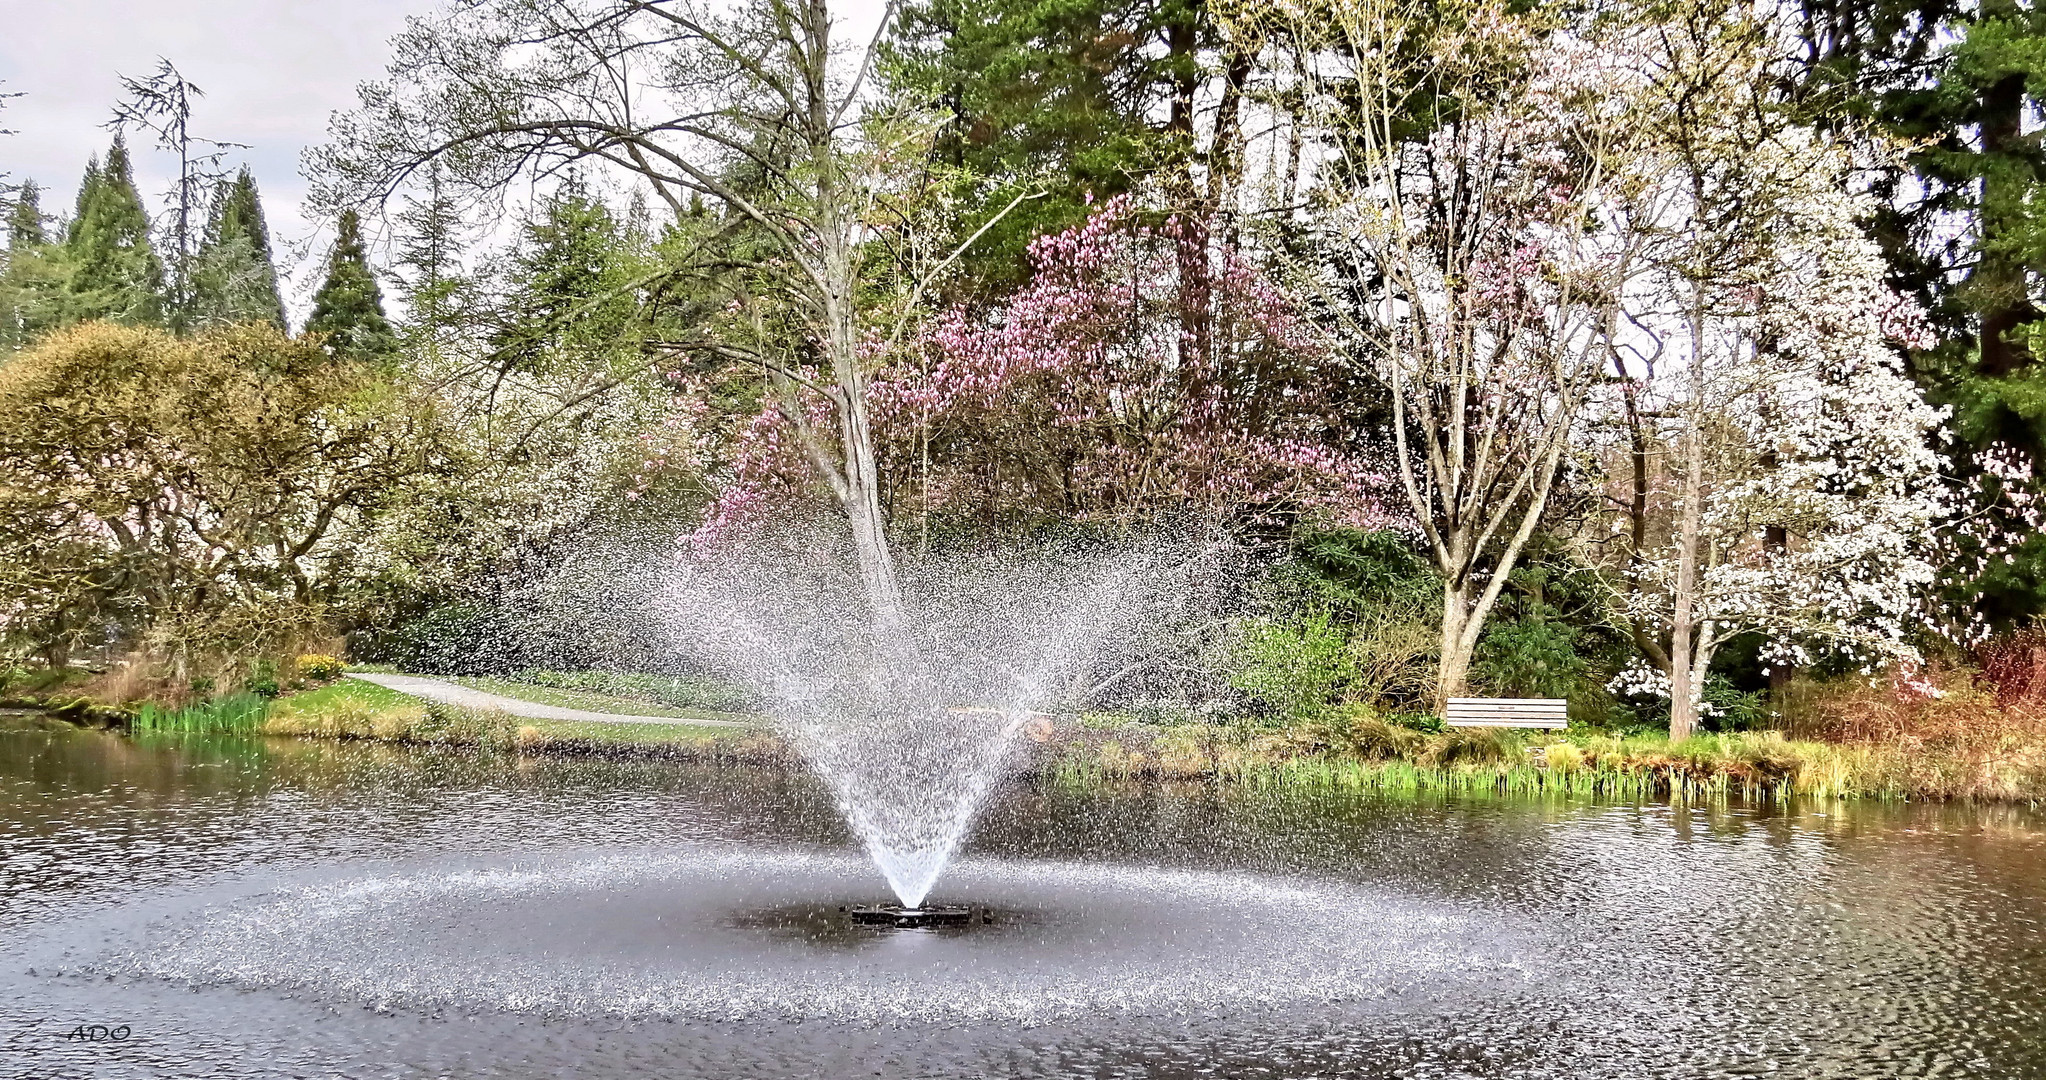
233	276
349	308
113	270
32	281
429	249
566	303
25	226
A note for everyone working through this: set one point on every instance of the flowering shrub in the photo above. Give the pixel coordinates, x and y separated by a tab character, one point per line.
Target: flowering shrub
320	667
1141	372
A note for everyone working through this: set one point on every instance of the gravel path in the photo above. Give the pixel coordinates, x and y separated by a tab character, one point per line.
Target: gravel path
467	698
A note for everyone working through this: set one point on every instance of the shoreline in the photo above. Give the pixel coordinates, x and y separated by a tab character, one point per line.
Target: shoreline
1359	753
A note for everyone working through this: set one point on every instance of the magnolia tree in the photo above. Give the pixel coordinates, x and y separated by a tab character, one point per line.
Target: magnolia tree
1774	465
1470	166
1142	373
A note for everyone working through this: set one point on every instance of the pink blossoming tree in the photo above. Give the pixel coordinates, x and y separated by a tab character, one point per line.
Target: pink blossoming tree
1143	373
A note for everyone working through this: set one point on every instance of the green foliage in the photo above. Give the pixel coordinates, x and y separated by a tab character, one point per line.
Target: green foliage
437	295
1528	658
1050	96
33	278
112	270
1353	574
1296	669
348	311
233	276
237	712
567	304
1383	598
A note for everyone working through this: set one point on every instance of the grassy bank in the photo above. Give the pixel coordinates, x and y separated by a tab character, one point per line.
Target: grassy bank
1374	755
353	709
1862	744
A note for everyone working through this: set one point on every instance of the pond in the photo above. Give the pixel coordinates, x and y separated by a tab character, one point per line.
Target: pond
244	907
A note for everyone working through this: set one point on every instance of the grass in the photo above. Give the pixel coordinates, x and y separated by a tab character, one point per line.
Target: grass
236	712
692	694
355	709
1372	755
590	701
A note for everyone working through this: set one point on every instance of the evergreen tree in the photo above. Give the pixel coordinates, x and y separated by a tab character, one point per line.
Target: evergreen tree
32	280
349	308
113	271
25	224
429	249
234	279
1075	99
565	303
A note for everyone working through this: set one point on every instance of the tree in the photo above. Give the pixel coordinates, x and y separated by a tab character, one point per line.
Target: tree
1077	397
1079	101
233	278
32	281
753	111
1962	85
1780	476
568	300
348	311
162	104
435	289
205	493
112	271
1471	255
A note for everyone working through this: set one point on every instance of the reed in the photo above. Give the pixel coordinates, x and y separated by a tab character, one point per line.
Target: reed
234	713
1754	765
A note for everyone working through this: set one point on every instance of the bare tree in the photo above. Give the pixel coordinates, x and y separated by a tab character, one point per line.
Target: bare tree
758	111
162	105
1464	165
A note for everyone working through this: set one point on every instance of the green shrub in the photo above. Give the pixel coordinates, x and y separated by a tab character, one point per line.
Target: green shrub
1296	669
1528	658
237	712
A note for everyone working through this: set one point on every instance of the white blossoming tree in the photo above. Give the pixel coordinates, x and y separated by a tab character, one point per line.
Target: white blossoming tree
1771	464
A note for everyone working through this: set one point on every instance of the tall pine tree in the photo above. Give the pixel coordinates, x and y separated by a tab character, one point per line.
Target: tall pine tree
234	279
435	291
32	280
349	308
565	304
113	270
1072	98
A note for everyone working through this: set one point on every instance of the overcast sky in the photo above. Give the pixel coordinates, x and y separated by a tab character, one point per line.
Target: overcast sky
272	70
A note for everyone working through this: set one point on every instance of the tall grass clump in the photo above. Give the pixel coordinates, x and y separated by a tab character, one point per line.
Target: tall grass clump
241	712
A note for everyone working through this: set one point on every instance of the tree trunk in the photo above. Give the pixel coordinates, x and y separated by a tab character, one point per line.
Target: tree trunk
1998	280
1683	652
1455	668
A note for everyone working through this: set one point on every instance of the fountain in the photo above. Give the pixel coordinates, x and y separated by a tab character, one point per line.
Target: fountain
911	725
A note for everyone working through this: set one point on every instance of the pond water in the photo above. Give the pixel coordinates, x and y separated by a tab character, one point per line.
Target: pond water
262	908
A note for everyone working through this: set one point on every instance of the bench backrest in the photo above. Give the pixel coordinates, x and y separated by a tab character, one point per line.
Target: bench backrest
1508	712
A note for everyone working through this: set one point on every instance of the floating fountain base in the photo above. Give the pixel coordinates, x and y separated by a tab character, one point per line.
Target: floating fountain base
909	918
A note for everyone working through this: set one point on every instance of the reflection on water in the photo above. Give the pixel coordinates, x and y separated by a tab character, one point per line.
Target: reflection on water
269	908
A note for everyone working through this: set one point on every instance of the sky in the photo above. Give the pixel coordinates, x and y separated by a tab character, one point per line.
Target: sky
273	72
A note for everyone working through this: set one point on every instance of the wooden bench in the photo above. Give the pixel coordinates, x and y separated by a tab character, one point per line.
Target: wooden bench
1508	712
